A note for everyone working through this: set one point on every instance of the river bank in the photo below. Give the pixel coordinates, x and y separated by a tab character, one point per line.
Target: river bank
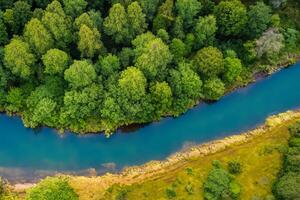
155	169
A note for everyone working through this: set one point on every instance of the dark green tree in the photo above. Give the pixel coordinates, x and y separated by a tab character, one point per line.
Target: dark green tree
188	10
205	31
74	7
259	17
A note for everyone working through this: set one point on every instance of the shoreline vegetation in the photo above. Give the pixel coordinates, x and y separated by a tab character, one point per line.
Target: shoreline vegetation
275	128
89	67
284	63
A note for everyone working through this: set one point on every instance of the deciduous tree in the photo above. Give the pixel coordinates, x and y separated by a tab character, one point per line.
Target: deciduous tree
18	58
80	74
231	17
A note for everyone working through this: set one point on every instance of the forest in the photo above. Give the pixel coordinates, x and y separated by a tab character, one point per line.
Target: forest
89	66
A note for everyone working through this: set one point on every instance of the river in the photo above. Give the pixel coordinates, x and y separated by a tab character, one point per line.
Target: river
27	153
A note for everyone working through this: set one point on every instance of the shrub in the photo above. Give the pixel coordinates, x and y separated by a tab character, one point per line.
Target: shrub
220	185
52	189
234	167
170	192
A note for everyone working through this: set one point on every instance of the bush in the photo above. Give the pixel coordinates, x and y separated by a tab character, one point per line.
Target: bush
288	187
170	192
220	185
52	189
234	167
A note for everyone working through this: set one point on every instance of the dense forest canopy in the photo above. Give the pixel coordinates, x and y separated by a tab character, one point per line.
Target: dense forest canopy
92	65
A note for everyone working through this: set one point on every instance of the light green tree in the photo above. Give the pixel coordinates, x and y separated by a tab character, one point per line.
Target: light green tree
38	37
80	74
18	58
55	61
89	42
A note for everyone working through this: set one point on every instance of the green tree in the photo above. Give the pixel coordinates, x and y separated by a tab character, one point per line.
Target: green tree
18	58
109	65
89	42
161	97
149	7
136	19
81	105
231	17
74	7
164	35
186	86
112	114
3	31
188	10
17	16
84	19
220	185
287	188
132	95
133	83
178	50
233	68
213	89
116	23
126	56
291	37
80	74
55	61
15	100
141	41
165	16
209	61
154	59
259	17
44	112
38	37
58	24
52	189
178	29
205	31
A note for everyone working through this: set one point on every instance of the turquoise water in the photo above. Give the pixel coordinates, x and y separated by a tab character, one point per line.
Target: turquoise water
239	111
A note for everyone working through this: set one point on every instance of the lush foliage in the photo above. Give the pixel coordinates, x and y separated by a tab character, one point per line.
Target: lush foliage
287	186
220	185
97	65
52	189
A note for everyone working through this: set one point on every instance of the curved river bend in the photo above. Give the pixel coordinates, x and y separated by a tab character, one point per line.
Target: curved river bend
26	149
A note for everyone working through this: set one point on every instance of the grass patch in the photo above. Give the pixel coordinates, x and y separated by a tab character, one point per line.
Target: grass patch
260	159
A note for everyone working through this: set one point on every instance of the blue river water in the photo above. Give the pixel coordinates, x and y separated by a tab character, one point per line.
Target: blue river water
237	112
